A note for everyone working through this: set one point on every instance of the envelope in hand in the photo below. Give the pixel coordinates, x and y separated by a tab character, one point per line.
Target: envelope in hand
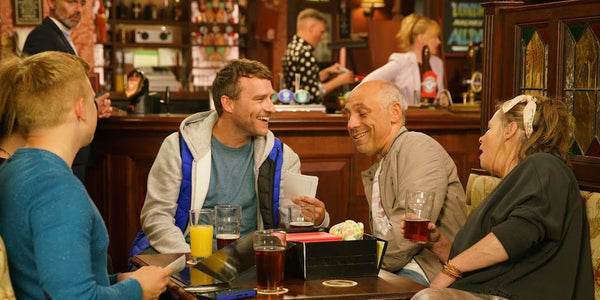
297	185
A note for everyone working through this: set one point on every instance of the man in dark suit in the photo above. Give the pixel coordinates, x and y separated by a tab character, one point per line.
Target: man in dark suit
54	34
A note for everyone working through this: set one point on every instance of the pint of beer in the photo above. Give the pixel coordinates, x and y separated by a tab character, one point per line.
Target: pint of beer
418	205
269	250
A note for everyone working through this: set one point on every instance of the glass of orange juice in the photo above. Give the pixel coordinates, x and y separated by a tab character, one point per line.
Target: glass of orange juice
201	234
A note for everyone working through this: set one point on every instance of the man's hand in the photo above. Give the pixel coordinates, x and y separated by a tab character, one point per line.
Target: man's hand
330	71
334	69
347	78
104	108
318	204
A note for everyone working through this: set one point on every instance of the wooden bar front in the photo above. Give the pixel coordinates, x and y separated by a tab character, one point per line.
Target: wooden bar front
127	145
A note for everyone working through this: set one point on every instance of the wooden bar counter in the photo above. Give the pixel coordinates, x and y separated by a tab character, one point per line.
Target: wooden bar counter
127	145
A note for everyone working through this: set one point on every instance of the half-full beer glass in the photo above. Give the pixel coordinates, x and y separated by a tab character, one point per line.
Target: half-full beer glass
301	216
419	205
228	222
269	250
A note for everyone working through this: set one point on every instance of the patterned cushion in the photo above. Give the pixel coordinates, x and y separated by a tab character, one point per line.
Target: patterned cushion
478	187
592	207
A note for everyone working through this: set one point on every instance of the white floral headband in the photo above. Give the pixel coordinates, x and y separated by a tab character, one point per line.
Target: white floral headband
528	111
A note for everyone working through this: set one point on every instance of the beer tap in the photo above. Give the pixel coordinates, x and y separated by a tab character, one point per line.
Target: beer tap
474	76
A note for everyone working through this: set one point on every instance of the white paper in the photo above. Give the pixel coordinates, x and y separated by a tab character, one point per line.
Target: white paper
177	265
297	185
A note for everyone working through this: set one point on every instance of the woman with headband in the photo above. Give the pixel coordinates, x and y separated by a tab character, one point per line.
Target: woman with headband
403	68
529	239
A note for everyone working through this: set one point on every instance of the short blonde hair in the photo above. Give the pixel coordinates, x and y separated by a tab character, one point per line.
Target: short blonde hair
413	25
309	13
46	85
8	113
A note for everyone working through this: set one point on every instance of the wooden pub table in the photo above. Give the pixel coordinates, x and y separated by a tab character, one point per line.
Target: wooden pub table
384	286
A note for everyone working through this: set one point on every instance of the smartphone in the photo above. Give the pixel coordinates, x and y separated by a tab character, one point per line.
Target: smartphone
228	294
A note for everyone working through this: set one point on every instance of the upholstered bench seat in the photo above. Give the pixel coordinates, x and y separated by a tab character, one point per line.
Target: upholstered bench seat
480	184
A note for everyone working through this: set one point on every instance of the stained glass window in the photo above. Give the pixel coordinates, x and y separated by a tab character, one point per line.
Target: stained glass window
582	85
534	56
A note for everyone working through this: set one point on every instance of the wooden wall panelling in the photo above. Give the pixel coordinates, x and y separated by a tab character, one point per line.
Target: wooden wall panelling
326	151
334	184
117	181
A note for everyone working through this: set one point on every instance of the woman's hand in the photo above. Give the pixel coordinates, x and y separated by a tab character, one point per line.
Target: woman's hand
442	281
432	237
444	101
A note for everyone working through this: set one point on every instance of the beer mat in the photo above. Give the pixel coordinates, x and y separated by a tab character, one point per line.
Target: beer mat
339	283
279	291
311	237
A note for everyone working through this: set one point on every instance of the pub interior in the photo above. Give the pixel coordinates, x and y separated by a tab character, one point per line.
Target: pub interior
491	51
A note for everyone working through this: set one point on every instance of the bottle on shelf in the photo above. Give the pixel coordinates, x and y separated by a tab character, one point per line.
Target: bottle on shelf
150	11
136	10
122	11
177	11
429	79
100	22
119	79
166	12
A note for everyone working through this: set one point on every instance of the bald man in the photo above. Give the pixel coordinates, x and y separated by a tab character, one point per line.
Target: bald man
405	160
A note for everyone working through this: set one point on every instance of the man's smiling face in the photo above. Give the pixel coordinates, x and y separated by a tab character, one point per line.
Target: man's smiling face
254	107
369	123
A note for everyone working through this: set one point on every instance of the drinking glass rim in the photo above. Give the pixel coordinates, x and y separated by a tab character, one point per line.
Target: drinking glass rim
203	210
272	230
228	206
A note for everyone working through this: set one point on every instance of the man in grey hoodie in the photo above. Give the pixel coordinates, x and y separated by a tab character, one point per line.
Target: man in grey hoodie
230	147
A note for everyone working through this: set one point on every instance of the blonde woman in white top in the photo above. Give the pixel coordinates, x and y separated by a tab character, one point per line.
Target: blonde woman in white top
403	68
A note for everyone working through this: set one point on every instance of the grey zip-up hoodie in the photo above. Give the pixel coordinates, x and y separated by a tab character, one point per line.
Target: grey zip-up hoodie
158	214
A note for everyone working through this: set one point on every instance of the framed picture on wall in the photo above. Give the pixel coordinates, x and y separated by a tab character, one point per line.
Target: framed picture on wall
28	12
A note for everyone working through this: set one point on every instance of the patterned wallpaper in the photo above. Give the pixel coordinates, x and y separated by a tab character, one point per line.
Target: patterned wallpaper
83	36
